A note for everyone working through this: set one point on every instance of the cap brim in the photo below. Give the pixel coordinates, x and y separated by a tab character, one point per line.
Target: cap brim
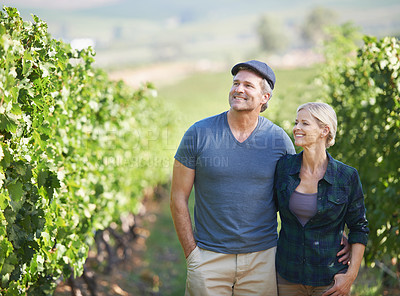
235	70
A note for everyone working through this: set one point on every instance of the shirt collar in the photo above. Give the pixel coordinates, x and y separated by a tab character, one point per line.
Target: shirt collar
330	170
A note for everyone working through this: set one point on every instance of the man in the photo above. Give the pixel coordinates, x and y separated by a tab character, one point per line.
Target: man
230	159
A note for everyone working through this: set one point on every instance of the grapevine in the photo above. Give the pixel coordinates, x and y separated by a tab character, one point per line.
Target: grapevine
76	153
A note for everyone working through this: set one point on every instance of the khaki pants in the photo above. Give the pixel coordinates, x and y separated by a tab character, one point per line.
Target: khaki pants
286	288
217	274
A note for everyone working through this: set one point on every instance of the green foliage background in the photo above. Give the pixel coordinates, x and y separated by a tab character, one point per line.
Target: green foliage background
76	153
363	85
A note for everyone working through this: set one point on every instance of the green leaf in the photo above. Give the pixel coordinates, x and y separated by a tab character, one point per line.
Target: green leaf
6	270
27	68
15	190
38	140
16	109
6	124
40	262
2	30
21	168
4	199
2	178
42	177
18	237
7	158
14	92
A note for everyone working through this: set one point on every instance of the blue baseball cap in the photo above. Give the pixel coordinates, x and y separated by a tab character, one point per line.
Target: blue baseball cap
261	68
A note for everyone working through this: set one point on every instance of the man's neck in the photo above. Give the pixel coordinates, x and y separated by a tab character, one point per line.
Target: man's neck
242	123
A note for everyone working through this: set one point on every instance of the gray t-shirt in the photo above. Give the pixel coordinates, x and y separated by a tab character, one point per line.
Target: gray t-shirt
234	209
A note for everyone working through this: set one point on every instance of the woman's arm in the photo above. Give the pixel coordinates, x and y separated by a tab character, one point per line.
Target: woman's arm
358	237
343	281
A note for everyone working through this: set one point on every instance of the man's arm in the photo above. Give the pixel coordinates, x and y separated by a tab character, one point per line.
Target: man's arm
182	183
344	254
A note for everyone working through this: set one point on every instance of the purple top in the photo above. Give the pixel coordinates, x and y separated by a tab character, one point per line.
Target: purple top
303	206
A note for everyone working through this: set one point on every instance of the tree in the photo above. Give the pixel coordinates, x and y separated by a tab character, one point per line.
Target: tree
271	34
363	86
313	29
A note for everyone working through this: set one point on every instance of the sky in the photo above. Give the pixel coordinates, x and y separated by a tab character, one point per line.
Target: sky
59	4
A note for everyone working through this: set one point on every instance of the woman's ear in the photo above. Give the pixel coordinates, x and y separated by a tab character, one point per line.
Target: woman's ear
325	131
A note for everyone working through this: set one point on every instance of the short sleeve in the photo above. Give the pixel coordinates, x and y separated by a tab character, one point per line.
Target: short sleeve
289	145
187	150
286	143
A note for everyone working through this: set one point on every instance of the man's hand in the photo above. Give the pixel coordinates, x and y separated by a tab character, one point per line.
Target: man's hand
187	252
345	253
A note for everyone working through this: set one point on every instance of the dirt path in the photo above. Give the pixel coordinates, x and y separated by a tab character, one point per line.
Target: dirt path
162	74
167	73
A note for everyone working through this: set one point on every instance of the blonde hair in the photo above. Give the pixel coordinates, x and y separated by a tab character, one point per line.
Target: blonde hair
325	116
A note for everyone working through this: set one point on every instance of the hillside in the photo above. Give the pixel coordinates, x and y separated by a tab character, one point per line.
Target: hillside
132	33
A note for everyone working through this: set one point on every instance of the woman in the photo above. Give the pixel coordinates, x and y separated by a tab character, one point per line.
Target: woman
316	196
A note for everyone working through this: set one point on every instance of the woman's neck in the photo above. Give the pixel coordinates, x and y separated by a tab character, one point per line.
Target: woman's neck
315	159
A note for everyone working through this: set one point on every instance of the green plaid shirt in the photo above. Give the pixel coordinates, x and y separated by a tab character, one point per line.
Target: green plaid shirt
307	255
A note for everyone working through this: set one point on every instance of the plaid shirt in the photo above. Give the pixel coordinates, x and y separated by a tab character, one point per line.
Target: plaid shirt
307	255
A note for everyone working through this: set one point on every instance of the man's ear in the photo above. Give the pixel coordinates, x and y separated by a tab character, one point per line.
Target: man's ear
266	98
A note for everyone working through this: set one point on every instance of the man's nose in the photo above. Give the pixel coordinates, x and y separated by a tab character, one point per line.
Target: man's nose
239	88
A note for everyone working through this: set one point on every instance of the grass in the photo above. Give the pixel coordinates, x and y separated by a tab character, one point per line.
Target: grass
198	96
164	257
368	282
